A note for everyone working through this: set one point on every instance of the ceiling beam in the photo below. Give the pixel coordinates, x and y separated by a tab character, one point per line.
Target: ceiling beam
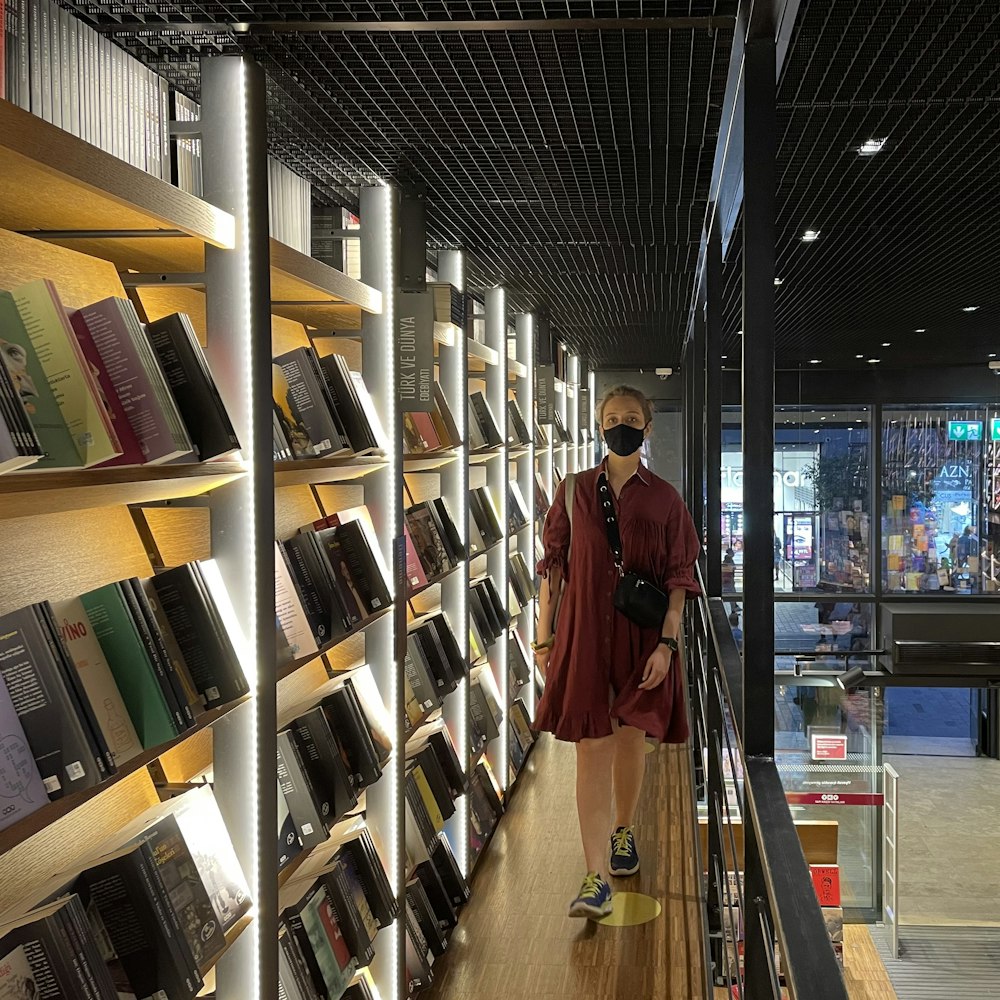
251	28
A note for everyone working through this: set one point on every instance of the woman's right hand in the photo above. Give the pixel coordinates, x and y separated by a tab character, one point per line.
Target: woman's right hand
542	660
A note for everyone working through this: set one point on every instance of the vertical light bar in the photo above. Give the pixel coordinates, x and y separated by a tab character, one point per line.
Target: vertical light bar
525	329
590	418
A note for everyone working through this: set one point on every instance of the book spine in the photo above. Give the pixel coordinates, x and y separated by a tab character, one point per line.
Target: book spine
298	793
73	943
297	927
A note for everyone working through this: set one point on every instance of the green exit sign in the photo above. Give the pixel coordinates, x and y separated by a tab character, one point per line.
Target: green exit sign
965	430
995	429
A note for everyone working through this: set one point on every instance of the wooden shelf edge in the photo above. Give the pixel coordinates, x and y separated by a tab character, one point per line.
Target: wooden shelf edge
50	150
480	352
30	481
309	471
286	670
39	820
332	285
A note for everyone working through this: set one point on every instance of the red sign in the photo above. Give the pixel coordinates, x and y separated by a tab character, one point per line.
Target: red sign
833	799
829	747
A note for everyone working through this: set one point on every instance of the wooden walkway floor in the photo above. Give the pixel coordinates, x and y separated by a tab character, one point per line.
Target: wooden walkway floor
515	942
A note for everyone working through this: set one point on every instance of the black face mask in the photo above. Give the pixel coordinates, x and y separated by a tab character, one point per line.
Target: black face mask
624	440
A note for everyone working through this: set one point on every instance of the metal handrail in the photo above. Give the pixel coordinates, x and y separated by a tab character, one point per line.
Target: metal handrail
774	899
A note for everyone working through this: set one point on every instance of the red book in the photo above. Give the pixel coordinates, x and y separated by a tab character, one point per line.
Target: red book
826	881
415	575
427	430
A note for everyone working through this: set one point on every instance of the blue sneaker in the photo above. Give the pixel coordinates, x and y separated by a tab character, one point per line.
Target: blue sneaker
624	856
594	900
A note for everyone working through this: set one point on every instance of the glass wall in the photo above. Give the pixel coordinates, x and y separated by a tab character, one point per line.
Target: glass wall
939	500
822	489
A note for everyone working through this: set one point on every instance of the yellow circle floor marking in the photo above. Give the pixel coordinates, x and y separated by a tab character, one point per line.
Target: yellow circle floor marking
631	908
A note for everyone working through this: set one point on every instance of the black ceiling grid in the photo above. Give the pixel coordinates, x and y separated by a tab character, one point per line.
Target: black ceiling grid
573	166
908	237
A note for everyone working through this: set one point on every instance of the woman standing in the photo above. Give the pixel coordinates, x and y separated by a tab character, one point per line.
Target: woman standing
610	682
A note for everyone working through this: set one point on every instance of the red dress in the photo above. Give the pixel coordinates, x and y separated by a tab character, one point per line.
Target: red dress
596	647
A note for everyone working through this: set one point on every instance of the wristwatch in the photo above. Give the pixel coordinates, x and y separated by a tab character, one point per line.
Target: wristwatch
666	640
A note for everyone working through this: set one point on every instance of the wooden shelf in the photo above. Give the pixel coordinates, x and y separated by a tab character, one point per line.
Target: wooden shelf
485	455
313	471
515	369
24	494
480	355
287	669
42	818
52	181
316	295
429	462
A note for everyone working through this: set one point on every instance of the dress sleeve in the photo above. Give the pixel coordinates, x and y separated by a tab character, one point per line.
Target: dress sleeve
683	549
555	536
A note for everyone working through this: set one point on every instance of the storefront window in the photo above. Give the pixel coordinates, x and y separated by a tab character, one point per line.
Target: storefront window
938	532
821	531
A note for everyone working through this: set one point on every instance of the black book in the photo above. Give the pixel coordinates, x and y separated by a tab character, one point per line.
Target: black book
194	390
163	669
477	540
358	991
517	516
452	878
350	726
483	510
517	429
480	409
282	449
447	417
103	757
201	634
341	387
427	540
418	958
521	722
479	617
425	825
288	840
298	792
369	869
446	645
433	660
443	908
51	948
128	905
477	730
294	979
521	577
517	752
417	899
484	601
481	707
313	579
356	889
445	523
520	672
477	439
306	407
349	919
436	780
355	567
451	767
490	793
424	688
324	387
481	802
325	765
46	704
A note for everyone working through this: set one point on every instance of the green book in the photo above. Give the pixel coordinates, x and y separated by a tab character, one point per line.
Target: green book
32	385
135	675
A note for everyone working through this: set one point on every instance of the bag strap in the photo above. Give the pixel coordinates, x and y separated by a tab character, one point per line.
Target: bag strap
610	521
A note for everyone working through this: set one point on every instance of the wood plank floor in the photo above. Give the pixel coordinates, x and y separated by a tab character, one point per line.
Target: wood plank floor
514	940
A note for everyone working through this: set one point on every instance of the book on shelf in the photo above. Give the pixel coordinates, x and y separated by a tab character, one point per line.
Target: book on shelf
444	419
358	579
370	412
481	414
437	784
443	859
485	514
416	577
444	521
481	709
427	540
517	509
345	388
541	436
305	407
419	678
826	881
357	937
562	433
478	541
326	770
443	908
88	657
474	430
517	660
313	577
418	829
19	443
478	643
491	787
434	935
362	516
53	949
522	579
186	370
517	429
521	722
417	956
24	789
435	628
138	382
288	839
289	608
194	609
516	751
312	921
294	982
50	702
542	502
361	853
299	793
432	807
414	442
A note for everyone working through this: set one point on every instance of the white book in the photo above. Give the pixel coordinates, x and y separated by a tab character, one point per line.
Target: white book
105	114
64	95
288	608
98	681
23	55
44	58
73	48
165	128
117	127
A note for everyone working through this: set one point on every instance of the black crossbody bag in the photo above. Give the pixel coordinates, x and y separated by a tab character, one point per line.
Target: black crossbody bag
635	597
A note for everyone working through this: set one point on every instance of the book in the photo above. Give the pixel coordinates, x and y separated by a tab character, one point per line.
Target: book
367	405
357	582
521	722
313	577
137	379
371	872
443	411
443	859
186	370
347	718
288	839
355	930
442	907
59	450
20	442
303	402
326	765
481	414
343	393
291	425
420	680
20	781
47	705
432	932
84	648
517	509
140	680
290	611
427	430
445	523
415	575
485	514
826	881
298	792
73	384
522	579
191	608
313	922
517	429
427	540
293	976
414	442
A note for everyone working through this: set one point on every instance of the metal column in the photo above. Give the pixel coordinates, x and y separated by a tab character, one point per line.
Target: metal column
713	410
757	723
696	362
238	316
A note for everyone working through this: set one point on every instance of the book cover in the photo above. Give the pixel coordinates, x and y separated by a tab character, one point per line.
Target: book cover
290	611
22	790
314	923
413	440
424	688
24	448
348	722
440	902
443	410
363	517
186	370
443	859
429	781
517	510
327	767
356	889
368	866
288	840
370	412
135	675
46	706
137	380
431	662
32	385
482	414
347	586
348	406
427	430
356	937
428	542
76	390
84	648
483	506
517	429
303	401
298	793
447	529
293	427
314	578
826	881
478	542
415	575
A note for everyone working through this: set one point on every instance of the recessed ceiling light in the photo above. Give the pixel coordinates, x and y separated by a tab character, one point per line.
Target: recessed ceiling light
859	355
725	357
815	361
874	361
921	330
969	309
822	418
778	281
870	147
992	355
886	343
815	432
810	236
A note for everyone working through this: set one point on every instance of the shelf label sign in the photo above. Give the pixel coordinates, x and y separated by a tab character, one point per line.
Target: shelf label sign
829	747
545	392
965	430
415	352
586	416
995	429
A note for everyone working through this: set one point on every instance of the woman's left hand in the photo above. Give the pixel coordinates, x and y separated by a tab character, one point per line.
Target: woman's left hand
657	668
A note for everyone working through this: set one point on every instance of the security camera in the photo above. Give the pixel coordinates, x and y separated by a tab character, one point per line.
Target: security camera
664	372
